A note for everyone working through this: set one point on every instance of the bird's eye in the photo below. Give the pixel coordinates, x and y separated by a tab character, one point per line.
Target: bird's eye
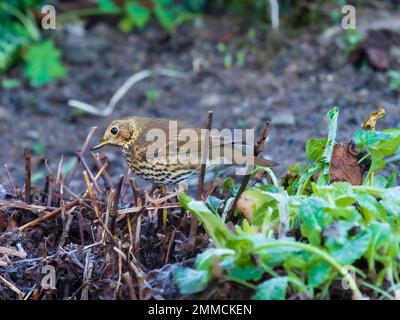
114	130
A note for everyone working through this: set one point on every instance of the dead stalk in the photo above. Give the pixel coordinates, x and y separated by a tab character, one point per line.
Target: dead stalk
91	194
50	215
79	154
28	173
258	148
114	210
191	241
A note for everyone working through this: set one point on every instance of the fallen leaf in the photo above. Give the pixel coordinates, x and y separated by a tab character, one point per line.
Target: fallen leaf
375	49
344	164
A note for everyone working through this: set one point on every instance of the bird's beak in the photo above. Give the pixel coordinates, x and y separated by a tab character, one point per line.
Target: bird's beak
100	145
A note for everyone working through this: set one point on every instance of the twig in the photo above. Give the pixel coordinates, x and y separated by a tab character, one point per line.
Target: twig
50	215
204	157
79	153
258	148
136	193
12	252
24	206
124	89
12	287
128	280
28	170
164	190
171	241
191	241
109	233
50	191
91	195
59	173
10	180
137	234
117	287
114	210
106	177
87	275
67	226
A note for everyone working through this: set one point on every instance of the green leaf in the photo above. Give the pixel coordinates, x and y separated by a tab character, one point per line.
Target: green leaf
246	273
315	148
337	233
138	14
317	273
391	201
108	6
214	225
391	182
322	164
275	256
38	148
10	83
379	144
67	166
395	79
204	259
339	194
332	116
168	15
126	25
353	249
214	203
370	208
380	235
43	63
190	280
311	213
152	95
272	289
228	60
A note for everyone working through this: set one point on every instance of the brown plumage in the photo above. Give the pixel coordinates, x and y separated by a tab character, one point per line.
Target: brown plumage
169	152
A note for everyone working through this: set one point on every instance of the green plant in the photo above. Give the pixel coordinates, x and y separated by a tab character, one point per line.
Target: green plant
379	144
394	79
137	15
231	55
21	38
152	95
351	39
334	227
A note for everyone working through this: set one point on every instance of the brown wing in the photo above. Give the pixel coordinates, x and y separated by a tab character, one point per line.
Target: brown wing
181	140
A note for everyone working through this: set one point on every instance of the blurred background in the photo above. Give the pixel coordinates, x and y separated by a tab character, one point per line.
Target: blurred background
229	56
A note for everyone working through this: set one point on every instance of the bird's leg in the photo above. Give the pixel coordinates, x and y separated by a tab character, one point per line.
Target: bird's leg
164	191
181	188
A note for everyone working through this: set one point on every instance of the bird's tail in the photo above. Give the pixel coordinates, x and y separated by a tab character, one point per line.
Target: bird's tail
264	162
257	161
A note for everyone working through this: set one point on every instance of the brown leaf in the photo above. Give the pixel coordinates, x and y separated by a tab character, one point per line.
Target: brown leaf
375	49
379	59
344	164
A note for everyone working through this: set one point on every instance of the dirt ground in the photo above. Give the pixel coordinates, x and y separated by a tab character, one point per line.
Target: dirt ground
294	83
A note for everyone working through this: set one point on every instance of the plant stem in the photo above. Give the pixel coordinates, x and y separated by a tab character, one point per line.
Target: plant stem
319	253
375	192
378	290
24	19
242	282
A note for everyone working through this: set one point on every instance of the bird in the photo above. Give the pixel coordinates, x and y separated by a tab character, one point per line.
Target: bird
165	151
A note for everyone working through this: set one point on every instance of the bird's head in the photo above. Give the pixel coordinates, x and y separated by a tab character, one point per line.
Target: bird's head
120	133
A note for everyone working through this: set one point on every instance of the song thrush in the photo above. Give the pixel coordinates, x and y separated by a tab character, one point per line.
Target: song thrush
174	160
